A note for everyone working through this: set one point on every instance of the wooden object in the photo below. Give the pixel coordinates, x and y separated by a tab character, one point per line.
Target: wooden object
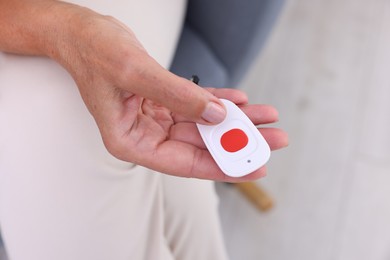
256	195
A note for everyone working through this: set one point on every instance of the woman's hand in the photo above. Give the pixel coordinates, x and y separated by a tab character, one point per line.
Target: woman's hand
145	114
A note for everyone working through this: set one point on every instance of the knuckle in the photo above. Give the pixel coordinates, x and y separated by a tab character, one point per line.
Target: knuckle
129	66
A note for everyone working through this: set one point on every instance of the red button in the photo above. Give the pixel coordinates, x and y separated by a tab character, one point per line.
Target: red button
234	140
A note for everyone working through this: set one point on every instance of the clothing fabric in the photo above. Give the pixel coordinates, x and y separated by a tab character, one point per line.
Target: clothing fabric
63	196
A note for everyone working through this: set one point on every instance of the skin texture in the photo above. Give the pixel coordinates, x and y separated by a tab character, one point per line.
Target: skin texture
145	114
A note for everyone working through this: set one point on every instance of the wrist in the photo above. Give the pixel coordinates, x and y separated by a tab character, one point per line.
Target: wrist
68	34
36	27
63	26
23	26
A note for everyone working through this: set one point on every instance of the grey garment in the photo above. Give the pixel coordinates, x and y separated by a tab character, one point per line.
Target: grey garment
194	56
3	255
221	38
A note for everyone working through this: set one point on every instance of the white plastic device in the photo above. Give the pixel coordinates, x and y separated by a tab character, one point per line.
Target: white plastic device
236	144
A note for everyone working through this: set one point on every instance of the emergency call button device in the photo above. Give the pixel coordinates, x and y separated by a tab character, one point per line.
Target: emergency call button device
236	144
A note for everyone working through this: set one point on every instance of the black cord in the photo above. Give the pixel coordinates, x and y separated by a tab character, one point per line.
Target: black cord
195	79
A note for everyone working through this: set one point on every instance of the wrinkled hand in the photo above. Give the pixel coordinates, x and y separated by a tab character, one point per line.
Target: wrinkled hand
145	114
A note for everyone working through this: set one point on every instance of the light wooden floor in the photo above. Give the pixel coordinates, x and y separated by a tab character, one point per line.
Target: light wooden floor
327	69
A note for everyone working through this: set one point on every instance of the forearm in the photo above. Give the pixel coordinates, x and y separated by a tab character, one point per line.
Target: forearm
24	26
34	27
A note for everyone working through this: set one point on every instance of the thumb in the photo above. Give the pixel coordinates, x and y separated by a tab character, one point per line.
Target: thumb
178	94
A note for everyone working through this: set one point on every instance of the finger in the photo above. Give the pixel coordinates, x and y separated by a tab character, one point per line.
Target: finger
188	133
275	137
258	114
237	96
192	162
180	95
261	114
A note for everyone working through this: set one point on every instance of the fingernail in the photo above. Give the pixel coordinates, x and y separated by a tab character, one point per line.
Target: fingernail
214	113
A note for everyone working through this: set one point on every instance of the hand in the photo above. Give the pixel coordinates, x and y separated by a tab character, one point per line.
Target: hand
145	114
175	145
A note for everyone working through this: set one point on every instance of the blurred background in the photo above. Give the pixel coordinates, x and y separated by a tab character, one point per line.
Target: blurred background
326	68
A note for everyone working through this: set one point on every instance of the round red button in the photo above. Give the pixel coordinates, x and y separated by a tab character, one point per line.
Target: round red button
234	140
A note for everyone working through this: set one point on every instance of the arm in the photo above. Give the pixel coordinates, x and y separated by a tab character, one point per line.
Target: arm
28	27
88	44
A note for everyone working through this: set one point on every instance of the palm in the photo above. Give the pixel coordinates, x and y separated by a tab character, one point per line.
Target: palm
156	138
151	127
156	133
